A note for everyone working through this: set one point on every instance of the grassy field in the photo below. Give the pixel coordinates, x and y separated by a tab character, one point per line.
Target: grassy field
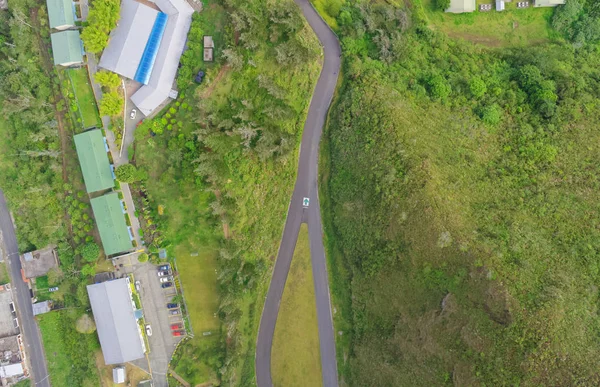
4	278
70	355
295	357
512	27
84	95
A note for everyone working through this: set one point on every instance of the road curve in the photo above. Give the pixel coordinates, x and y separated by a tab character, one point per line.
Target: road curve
306	186
27	324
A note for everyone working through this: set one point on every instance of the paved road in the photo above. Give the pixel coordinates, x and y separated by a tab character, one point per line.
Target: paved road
29	329
306	186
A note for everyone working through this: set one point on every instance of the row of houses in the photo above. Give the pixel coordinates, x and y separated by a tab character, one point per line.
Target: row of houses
67	47
98	175
462	6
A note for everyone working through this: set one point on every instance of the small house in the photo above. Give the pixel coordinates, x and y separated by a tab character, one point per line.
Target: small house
67	48
548	3
61	14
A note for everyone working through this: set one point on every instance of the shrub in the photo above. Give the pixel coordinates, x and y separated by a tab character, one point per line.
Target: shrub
143	257
90	252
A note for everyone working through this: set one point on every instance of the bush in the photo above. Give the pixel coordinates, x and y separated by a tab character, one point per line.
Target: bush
143	257
442	5
126	173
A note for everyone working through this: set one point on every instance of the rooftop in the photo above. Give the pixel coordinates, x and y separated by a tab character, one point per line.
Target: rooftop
120	337
548	3
93	159
61	13
41	307
111	224
460	6
38	263
67	47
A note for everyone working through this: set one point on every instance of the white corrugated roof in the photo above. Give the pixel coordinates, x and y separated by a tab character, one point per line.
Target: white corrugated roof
128	40
151	96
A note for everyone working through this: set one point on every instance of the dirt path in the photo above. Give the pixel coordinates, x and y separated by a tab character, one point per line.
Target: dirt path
179	378
215	81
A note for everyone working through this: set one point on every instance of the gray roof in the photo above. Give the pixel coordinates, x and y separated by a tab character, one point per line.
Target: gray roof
118	375
117	328
152	95
41	308
128	40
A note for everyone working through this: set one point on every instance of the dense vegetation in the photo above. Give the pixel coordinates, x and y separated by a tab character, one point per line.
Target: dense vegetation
102	19
469	175
229	147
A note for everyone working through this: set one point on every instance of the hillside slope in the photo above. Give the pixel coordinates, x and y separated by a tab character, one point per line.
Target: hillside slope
464	208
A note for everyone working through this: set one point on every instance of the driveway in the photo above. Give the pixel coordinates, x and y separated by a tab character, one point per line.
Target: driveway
306	187
21	297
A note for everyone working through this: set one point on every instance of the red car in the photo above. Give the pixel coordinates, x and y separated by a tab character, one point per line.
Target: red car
178	333
176	326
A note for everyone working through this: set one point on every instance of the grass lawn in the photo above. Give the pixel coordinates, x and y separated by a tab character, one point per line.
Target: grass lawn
4	278
70	354
88	111
296	360
512	27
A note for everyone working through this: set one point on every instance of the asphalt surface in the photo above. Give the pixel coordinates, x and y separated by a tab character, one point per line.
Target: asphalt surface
306	186
29	329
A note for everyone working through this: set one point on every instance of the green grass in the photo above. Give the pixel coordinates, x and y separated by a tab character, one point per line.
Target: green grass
4	277
512	27
23	383
88	111
70	355
295	359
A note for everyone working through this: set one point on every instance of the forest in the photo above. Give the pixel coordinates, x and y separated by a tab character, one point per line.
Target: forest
462	211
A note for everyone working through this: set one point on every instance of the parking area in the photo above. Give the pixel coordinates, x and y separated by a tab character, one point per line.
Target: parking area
155	294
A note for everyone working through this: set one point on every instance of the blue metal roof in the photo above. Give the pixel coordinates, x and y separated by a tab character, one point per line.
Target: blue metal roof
144	69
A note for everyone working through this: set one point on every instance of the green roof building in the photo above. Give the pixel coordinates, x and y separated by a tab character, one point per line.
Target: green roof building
93	158
61	14
110	219
67	48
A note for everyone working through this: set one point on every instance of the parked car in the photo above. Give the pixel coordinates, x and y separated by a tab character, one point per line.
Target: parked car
53	289
174	312
164	272
164	267
138	285
176	326
133	114
166	285
178	333
164	279
172	305
148	330
199	77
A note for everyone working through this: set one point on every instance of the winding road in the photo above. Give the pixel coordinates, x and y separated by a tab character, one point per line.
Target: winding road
306	187
29	329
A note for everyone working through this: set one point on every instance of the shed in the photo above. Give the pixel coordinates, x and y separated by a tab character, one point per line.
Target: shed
208	42
119	375
111	224
61	14
39	262
119	333
548	3
67	48
208	54
460	6
93	159
499	5
41	307
10	370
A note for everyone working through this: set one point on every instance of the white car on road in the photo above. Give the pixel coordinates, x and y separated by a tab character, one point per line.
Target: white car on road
148	330
133	114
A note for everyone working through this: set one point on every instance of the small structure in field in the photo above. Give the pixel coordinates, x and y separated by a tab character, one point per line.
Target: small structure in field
461	6
119	375
209	47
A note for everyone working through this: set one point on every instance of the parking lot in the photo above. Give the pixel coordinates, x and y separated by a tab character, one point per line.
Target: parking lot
154	304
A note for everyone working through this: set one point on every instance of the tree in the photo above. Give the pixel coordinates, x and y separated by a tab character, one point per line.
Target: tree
88	270
143	257
439	87
90	252
55	276
108	79
491	114
442	5
477	87
102	18
127	173
111	104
